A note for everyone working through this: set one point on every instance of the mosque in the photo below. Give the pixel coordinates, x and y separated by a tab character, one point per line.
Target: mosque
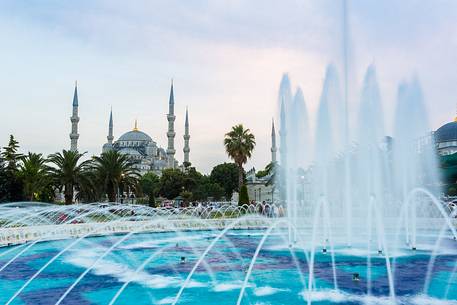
139	146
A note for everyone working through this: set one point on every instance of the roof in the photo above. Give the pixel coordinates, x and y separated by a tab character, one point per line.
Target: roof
446	133
135	135
75	96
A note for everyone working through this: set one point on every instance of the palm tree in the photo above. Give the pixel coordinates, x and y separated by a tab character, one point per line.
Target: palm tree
239	144
69	172
115	171
33	172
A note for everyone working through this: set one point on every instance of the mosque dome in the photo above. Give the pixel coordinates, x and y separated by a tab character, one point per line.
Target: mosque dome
135	135
447	132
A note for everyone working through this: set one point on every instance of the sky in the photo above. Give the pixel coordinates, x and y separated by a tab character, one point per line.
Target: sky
226	59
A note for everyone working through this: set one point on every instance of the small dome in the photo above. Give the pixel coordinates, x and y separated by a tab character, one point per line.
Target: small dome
135	135
107	147
446	133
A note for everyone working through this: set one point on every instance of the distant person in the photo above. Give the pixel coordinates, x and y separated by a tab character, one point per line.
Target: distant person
281	211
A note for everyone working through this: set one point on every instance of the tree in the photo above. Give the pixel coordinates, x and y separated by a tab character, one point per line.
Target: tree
115	171
192	178
186	165
3	180
268	171
244	197
33	172
214	191
239	144
150	185
68	172
186	197
172	183
11	186
226	175
10	154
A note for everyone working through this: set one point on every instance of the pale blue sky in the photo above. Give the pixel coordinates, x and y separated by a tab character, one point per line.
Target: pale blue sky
226	58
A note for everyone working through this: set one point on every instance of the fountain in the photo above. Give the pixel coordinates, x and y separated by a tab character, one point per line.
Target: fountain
363	224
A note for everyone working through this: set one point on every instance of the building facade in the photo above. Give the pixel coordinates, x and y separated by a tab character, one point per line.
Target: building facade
145	153
445	138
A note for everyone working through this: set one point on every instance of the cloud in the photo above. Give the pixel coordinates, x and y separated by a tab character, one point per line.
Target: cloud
226	57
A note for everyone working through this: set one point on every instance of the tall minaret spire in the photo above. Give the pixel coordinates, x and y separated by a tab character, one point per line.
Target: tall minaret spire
109	145
186	149
273	142
74	121
171	129
110	136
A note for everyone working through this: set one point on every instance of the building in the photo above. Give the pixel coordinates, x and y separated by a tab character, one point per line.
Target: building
146	155
445	138
142	150
263	188
259	189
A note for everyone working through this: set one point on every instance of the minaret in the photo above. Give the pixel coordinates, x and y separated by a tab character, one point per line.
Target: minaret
186	137
109	145
273	142
171	130
110	128
74	122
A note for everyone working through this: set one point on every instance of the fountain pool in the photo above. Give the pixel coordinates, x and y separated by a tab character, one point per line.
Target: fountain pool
150	268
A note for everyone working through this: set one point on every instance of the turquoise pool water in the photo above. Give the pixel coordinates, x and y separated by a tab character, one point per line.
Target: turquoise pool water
275	278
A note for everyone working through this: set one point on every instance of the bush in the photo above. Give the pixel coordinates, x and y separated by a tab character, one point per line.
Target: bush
244	197
452	191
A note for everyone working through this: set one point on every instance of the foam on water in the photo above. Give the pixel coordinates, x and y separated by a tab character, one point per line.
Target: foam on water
167	300
157	242
123	273
267	290
228	286
428	300
335	296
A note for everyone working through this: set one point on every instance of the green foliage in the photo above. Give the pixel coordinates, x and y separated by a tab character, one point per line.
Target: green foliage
36	178
68	172
186	165
214	191
192	178
33	173
115	171
10	154
452	191
11	186
172	183
150	186
226	175
261	173
186	196
244	197
239	144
